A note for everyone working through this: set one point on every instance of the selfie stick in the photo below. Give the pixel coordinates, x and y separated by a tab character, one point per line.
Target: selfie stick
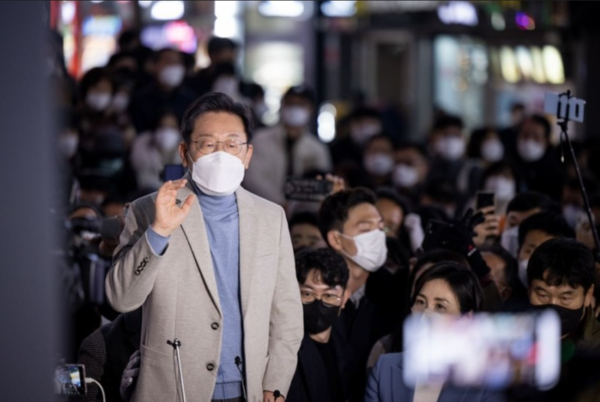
176	345
564	138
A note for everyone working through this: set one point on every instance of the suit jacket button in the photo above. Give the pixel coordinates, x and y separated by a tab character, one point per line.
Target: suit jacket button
210	367
214	325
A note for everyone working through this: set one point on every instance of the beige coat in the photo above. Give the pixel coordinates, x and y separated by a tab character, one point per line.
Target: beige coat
178	292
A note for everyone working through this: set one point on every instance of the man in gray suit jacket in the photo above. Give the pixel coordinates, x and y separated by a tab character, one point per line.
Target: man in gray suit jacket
211	265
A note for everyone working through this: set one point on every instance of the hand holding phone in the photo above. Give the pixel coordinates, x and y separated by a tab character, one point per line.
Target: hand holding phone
70	379
490	228
307	189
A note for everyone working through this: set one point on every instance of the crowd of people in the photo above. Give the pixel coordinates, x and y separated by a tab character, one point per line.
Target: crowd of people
277	298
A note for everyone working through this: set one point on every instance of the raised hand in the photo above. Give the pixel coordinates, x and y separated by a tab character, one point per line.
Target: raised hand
169	215
490	227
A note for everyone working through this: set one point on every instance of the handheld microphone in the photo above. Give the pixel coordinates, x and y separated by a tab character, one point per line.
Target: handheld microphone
176	345
238	363
276	394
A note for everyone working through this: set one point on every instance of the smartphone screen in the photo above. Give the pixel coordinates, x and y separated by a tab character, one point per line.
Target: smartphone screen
484	350
485	199
70	379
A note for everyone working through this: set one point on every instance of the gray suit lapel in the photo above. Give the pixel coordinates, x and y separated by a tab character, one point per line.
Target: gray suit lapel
195	231
248	240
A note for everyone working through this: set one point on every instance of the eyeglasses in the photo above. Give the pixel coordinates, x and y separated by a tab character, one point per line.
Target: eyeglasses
327	299
208	145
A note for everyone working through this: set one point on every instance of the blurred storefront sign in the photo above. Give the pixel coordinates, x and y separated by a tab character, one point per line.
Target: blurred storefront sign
382	7
302	10
458	12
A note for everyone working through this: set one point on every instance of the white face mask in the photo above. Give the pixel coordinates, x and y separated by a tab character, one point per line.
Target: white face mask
371	250
227	85
120	102
450	148
172	76
492	151
503	187
530	150
362	133
218	174
378	164
405	176
295	116
98	101
510	240
68	143
523	272
167	138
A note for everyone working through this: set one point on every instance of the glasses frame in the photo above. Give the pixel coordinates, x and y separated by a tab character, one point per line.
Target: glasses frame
198	147
320	298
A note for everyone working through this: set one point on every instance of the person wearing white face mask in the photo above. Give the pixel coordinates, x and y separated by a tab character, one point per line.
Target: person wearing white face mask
167	92
226	81
485	147
212	265
538	161
378	161
96	91
152	150
351	225
287	149
410	170
448	146
362	124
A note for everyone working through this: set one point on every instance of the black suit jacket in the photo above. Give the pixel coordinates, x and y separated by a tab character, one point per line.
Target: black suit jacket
106	352
310	379
361	328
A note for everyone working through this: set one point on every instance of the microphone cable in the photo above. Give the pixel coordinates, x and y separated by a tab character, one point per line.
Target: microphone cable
92	381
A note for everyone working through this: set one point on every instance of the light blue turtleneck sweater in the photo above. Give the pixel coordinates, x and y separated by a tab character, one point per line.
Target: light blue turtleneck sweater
221	217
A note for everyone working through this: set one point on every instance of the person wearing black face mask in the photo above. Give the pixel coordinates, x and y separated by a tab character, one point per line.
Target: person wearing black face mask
325	360
560	274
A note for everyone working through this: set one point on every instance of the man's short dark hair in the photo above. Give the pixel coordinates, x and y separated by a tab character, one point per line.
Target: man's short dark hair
334	210
303	218
331	267
215	102
547	222
542	121
566	261
448	121
462	281
217	45
532	199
